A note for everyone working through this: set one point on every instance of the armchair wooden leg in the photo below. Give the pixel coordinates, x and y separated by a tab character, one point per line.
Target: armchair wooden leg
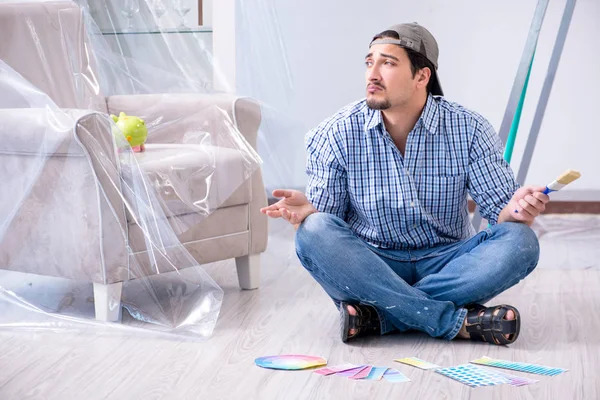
248	269
107	301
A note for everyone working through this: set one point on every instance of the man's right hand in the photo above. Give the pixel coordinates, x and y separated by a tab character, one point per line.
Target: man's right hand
293	207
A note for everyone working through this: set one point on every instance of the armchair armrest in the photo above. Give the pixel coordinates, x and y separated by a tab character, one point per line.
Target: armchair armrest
67	159
38	131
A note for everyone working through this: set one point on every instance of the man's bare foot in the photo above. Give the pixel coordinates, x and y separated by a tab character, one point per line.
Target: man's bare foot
462	334
351	311
358	320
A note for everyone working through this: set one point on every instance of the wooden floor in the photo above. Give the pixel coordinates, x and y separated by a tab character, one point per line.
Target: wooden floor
559	302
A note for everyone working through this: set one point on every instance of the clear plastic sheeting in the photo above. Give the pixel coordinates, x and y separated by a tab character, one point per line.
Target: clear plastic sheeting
93	212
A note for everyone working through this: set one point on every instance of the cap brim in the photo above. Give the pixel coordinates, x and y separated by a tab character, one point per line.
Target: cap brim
436	88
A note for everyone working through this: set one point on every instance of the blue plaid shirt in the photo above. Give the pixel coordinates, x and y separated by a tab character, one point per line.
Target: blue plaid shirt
356	172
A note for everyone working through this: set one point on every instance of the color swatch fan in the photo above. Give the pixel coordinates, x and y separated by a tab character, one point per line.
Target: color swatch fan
290	362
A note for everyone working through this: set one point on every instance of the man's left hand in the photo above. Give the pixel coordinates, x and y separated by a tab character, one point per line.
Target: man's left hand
527	203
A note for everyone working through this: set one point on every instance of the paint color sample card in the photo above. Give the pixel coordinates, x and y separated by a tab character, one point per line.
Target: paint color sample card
362	374
376	374
473	376
514	380
336	369
290	362
351	372
518	366
393	375
417	362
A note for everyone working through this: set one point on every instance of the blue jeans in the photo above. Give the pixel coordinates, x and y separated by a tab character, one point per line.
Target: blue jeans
423	289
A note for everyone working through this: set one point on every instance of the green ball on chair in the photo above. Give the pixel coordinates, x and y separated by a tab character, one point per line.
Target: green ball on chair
133	128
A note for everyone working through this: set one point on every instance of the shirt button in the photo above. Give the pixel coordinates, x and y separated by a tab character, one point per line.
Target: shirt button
412	203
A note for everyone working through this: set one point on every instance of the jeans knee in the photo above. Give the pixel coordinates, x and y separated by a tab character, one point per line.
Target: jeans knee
315	231
522	243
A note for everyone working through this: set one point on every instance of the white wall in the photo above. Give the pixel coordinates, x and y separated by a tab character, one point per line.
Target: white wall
305	60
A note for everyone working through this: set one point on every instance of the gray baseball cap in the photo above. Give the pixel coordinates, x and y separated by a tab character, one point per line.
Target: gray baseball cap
415	37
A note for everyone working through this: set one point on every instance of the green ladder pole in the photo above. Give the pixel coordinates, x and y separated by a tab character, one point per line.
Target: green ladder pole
514	127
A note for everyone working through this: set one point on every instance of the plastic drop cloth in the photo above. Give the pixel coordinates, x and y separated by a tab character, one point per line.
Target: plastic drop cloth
90	226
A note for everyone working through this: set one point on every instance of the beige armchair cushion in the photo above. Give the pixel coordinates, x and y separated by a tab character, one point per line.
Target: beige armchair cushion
195	178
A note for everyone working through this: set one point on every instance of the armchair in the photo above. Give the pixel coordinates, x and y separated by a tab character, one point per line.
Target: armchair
94	238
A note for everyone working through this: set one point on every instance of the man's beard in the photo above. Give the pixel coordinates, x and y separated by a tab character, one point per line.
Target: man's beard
378	104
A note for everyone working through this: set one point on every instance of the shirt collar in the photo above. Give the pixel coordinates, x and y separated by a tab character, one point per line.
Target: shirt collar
429	117
373	118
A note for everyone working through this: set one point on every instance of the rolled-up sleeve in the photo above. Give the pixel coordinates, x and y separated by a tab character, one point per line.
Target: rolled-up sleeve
327	183
491	181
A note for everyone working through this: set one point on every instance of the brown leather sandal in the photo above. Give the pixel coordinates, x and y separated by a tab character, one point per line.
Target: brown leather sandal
366	321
